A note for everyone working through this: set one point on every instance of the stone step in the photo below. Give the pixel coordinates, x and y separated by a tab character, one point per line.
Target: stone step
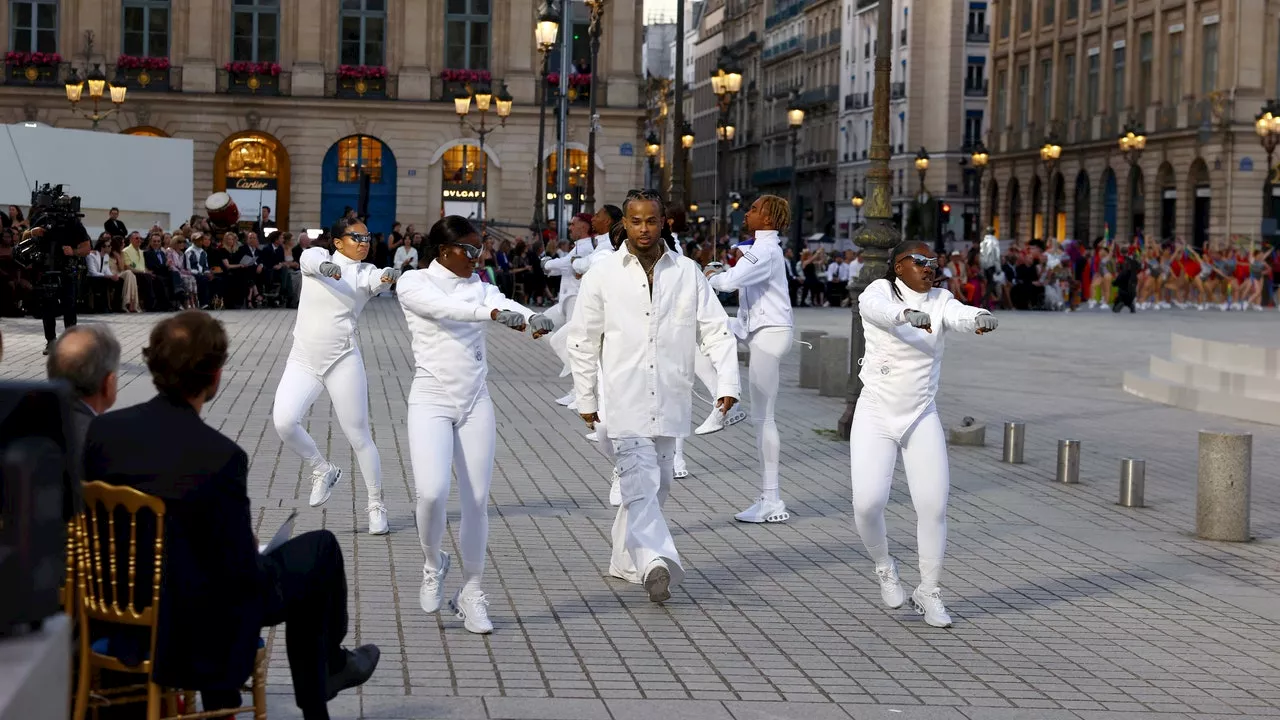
1228	357
1204	377
1190	398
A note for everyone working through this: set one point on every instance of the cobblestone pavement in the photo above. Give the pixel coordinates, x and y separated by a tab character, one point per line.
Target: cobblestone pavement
1066	605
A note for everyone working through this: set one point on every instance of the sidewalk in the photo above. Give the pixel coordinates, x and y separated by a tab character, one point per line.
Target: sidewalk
1065	604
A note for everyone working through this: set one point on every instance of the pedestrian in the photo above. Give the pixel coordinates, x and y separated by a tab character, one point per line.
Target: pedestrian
765	324
906	320
452	428
326	356
642	314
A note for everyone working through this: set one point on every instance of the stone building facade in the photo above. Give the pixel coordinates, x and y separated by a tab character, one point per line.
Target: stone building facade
304	96
1191	76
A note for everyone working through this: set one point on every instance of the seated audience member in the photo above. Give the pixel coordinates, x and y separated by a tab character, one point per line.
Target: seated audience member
87	358
218	592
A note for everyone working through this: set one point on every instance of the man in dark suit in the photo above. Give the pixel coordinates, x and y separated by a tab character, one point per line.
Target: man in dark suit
113	226
86	357
218	591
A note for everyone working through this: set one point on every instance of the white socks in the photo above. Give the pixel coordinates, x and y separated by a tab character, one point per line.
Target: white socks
930	574
880	554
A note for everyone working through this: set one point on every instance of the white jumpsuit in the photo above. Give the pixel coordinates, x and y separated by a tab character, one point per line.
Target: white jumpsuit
452	428
326	356
896	413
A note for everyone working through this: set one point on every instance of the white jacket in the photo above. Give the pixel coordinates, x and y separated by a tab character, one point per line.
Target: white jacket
563	266
645	345
902	363
447	317
325	329
760	277
989	252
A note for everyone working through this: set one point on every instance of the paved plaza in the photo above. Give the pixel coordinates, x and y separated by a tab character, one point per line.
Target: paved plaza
1065	604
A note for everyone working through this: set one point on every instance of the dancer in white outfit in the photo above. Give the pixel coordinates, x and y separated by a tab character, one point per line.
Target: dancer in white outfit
580	229
451	419
906	321
765	323
326	356
640	313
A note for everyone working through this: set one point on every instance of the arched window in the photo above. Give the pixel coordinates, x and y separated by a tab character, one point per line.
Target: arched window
463	167
577	173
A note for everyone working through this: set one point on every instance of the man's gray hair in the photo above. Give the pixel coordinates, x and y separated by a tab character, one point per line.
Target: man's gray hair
86	360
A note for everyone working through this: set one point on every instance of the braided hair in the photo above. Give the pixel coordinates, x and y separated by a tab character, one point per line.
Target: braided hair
905	247
448	230
777	211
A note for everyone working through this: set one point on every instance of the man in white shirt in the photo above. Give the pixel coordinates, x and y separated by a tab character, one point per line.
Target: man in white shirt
641	311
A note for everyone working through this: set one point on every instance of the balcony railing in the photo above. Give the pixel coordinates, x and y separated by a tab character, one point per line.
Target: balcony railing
249	83
848	101
1166	118
866	50
863	4
902	36
975	90
819	96
35	75
383	88
897	91
772	176
982	36
154	79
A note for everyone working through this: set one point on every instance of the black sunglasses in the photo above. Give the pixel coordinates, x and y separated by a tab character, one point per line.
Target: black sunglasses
472	251
922	261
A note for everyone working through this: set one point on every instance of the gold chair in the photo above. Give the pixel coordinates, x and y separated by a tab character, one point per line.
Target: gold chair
69	580
103	583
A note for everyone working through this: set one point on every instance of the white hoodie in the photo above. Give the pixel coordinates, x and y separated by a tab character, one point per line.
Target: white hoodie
760	277
902	363
328	308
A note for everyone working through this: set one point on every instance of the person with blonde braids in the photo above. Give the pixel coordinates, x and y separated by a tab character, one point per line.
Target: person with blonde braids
765	323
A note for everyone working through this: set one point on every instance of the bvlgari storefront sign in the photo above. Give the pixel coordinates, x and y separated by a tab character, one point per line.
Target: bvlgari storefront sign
459	194
255	184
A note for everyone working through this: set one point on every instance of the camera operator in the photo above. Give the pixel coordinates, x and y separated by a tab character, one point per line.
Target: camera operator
52	245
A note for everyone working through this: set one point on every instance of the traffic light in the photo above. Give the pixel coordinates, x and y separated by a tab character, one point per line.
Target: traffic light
945	213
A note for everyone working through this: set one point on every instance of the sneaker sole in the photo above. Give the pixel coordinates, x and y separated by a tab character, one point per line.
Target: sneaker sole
890	605
681	475
459	614
328	491
658	584
919	610
383	531
775	518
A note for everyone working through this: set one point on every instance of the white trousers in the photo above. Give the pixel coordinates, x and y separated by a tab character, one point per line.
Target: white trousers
768	346
348	390
640	532
560	314
873	453
444	441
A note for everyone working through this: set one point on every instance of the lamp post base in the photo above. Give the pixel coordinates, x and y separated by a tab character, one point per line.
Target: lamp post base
877	239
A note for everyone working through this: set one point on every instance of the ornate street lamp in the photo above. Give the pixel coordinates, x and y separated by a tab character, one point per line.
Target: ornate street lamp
922	167
652	149
1050	153
1132	143
686	137
726	82
484	98
795	120
96	81
857	201
693	207
979	158
544	33
597	14
1268	126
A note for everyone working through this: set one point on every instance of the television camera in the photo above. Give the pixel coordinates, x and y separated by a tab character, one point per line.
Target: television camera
55	223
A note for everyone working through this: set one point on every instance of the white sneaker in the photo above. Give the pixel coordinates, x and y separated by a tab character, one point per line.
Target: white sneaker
431	594
718	421
567	400
473	611
930	605
765	511
657	582
593	436
681	470
377	518
322	484
615	489
890	586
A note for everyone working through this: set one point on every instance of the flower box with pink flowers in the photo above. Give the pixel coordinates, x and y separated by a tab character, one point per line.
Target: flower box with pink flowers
253	78
362	81
37	69
462	81
145	73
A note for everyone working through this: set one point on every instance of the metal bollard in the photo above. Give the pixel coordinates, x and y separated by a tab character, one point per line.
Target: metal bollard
810	361
1014	434
1069	461
1133	478
1223	487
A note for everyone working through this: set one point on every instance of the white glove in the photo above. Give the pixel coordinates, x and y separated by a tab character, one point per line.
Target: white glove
581	265
918	319
713	269
332	270
546	259
541	323
390	276
986	322
510	318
